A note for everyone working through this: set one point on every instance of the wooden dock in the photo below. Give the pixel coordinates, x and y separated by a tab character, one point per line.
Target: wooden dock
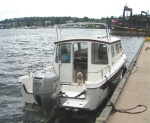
132	91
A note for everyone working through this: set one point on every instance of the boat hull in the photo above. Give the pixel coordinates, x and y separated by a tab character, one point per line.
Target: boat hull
93	96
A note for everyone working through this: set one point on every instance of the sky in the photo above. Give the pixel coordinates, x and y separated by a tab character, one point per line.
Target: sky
74	8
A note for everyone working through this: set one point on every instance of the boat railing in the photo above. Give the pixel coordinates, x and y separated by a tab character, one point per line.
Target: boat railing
103	72
60	26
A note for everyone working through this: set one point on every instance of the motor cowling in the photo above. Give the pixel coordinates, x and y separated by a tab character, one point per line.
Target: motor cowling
46	88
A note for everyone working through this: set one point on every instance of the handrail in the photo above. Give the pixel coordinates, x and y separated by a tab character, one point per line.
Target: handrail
83	23
102	70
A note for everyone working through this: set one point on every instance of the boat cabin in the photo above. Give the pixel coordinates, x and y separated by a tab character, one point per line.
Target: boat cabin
94	56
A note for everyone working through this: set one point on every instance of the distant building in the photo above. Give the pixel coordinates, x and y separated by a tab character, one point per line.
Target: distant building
70	21
47	23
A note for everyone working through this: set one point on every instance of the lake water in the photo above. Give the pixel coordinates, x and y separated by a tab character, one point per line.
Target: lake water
23	48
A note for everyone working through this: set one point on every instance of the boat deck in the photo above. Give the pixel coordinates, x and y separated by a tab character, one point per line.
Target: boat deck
136	91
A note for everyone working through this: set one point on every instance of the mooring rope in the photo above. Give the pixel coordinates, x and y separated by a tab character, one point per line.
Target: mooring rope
114	110
134	63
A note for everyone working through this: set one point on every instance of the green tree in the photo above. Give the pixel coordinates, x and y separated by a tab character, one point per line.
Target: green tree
57	20
76	20
85	19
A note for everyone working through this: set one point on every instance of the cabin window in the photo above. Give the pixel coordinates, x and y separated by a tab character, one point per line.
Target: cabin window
63	52
99	54
117	48
112	51
120	46
80	48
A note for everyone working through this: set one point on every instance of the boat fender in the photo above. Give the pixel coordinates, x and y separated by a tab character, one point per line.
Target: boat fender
124	70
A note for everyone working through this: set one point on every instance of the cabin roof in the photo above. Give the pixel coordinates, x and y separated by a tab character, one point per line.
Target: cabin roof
96	38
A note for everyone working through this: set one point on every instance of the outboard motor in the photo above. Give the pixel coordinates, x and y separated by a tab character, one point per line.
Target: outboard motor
46	88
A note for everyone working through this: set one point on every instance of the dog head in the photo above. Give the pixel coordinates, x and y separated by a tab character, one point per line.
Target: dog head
79	75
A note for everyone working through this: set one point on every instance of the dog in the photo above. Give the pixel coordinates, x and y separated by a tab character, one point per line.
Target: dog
79	78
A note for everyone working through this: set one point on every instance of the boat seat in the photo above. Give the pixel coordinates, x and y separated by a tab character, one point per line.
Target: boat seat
72	91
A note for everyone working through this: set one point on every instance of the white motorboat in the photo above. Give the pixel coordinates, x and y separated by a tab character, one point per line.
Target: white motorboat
99	58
